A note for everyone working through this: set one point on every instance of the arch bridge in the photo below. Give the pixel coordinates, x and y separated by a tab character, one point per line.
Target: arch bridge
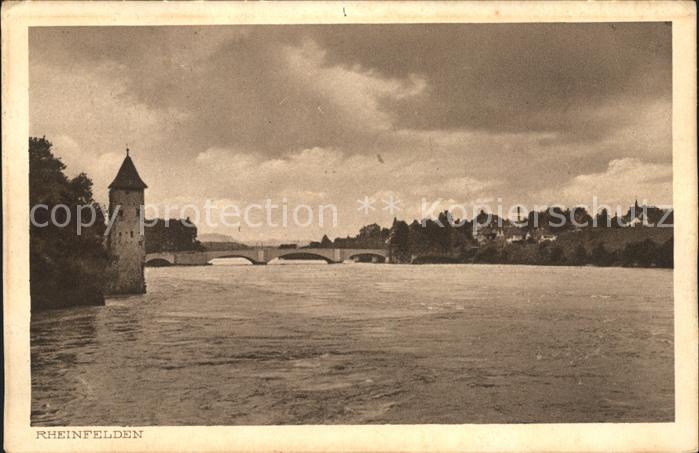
263	255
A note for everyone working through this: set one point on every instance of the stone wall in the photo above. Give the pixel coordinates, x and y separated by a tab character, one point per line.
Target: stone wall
126	243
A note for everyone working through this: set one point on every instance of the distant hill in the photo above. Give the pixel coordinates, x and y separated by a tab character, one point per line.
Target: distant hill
216	241
215	246
215	237
278	242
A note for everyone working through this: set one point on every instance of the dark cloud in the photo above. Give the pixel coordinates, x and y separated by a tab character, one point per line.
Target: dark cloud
530	105
516	77
496	77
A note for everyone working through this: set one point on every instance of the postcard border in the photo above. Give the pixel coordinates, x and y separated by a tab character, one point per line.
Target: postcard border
678	436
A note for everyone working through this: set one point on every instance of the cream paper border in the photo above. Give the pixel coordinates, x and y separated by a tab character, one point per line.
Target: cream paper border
678	436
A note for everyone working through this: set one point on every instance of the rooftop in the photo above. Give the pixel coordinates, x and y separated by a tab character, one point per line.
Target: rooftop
127	177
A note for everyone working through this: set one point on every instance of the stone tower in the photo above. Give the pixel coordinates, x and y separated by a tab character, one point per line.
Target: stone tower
125	241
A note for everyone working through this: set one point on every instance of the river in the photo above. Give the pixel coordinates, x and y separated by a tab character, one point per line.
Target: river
362	343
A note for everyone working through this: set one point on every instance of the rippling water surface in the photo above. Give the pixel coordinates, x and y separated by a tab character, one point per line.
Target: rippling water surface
362	343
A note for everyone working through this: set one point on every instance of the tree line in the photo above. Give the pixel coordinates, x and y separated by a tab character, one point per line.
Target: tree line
644	253
65	268
446	239
170	235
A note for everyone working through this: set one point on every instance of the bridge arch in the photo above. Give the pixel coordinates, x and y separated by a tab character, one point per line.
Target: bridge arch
304	255
368	257
158	262
245	257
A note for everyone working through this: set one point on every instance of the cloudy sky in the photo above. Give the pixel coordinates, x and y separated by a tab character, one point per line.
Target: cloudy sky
526	113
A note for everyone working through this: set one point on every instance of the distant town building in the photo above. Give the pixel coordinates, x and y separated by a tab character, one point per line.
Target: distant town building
514	234
486	234
547	237
125	240
636	221
541	234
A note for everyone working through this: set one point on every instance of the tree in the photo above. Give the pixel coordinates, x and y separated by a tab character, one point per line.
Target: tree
66	267
557	219
167	235
618	222
326	242
398	242
580	217
579	255
600	256
488	254
665	254
641	254
370	236
603	220
556	255
370	231
443	234
416	237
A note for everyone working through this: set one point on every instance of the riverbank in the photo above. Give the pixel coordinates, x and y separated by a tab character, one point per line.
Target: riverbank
641	248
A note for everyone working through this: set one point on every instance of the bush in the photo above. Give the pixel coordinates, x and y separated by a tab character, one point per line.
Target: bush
556	255
665	256
643	254
548	254
600	256
488	254
579	256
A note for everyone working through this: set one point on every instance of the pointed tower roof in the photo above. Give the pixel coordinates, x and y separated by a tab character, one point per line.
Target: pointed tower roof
127	177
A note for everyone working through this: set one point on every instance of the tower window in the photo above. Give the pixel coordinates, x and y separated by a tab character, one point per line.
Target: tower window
121	212
131	233
138	212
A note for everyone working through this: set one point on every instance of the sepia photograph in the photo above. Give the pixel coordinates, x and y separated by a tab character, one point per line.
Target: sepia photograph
365	224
